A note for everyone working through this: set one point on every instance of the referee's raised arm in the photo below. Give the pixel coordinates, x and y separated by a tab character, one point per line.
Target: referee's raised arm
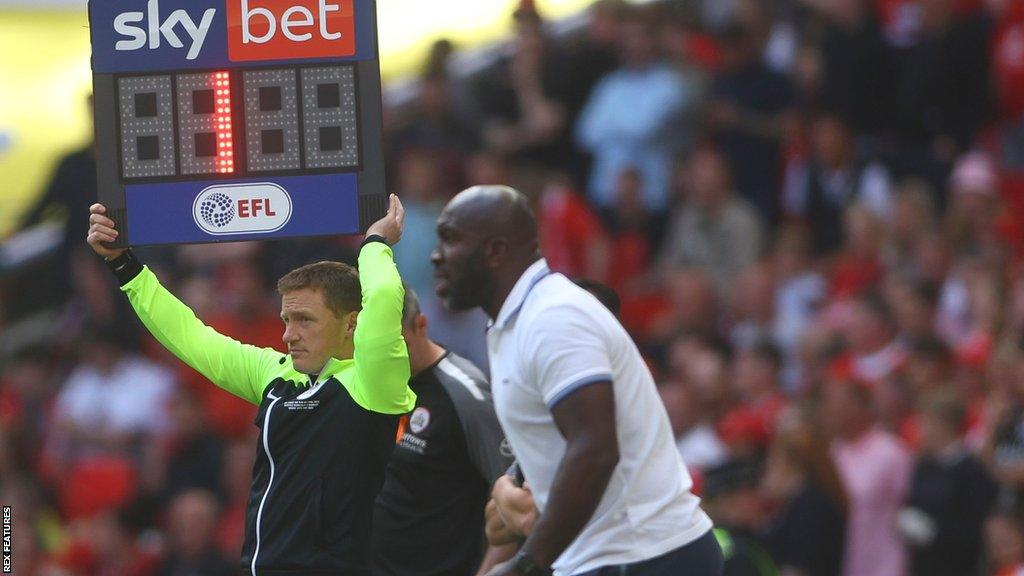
381	357
241	369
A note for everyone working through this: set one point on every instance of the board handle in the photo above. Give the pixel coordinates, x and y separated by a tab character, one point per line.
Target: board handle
120	218
372	207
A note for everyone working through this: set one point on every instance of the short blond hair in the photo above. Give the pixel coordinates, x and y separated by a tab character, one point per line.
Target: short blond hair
339	284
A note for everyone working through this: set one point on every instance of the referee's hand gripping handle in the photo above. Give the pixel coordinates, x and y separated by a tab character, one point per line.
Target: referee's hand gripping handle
102	231
390	227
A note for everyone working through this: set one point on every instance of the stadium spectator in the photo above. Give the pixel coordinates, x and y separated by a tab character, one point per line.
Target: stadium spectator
112	404
943	90
950	494
419	184
800	293
634	233
1008	70
759	399
691	306
696	438
438	120
976	214
68	194
913	305
30	511
595	53
818	189
929	365
657	98
712	228
701	361
875	469
914	215
751	306
875	351
571	233
1004	539
28	385
525	96
807	534
107	543
1003	444
859	263
749	116
194	454
859	68
192	521
733	502
236	475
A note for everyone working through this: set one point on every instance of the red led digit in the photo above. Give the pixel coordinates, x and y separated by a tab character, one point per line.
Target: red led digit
225	154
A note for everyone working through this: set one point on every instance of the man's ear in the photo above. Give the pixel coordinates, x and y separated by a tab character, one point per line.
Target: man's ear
349	322
495	251
421	324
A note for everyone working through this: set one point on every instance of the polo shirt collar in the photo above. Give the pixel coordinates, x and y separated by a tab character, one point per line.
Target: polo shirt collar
530	277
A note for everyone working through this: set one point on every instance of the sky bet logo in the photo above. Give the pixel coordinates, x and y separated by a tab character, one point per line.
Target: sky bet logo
256	29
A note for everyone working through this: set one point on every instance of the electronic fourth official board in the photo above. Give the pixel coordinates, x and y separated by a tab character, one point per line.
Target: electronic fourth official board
226	120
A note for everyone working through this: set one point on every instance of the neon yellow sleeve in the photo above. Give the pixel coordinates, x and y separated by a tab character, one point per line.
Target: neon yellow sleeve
241	369
381	381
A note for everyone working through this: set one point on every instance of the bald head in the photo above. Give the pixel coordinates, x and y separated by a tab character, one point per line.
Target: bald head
487	237
493	211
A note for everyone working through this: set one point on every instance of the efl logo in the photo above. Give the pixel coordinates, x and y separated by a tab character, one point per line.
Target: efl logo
285	29
242	209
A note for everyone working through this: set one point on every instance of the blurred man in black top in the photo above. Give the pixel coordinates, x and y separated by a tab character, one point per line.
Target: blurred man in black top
429	518
950	496
732	500
67	195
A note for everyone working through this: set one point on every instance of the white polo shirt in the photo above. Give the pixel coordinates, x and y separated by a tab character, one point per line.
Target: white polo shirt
551	338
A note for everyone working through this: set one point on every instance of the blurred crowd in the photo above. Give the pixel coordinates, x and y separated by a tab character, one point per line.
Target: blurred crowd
812	212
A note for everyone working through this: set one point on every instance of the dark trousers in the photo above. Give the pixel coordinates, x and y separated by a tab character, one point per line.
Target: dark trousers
702	557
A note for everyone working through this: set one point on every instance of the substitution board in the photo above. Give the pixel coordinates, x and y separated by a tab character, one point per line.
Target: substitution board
227	120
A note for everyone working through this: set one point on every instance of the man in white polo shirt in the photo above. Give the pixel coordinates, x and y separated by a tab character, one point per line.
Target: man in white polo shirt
577	404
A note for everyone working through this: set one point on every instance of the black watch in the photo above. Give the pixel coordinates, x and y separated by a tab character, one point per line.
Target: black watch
527	566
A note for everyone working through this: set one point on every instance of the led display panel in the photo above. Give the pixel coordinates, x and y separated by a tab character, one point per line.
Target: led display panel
221	120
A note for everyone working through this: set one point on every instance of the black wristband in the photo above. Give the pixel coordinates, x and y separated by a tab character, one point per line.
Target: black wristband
125	267
527	566
373	238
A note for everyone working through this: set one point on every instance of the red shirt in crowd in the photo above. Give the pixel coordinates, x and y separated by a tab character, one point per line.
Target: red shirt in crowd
752	423
631	258
567	230
1008	61
852	276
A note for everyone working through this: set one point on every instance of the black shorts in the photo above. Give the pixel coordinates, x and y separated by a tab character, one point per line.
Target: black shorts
702	557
